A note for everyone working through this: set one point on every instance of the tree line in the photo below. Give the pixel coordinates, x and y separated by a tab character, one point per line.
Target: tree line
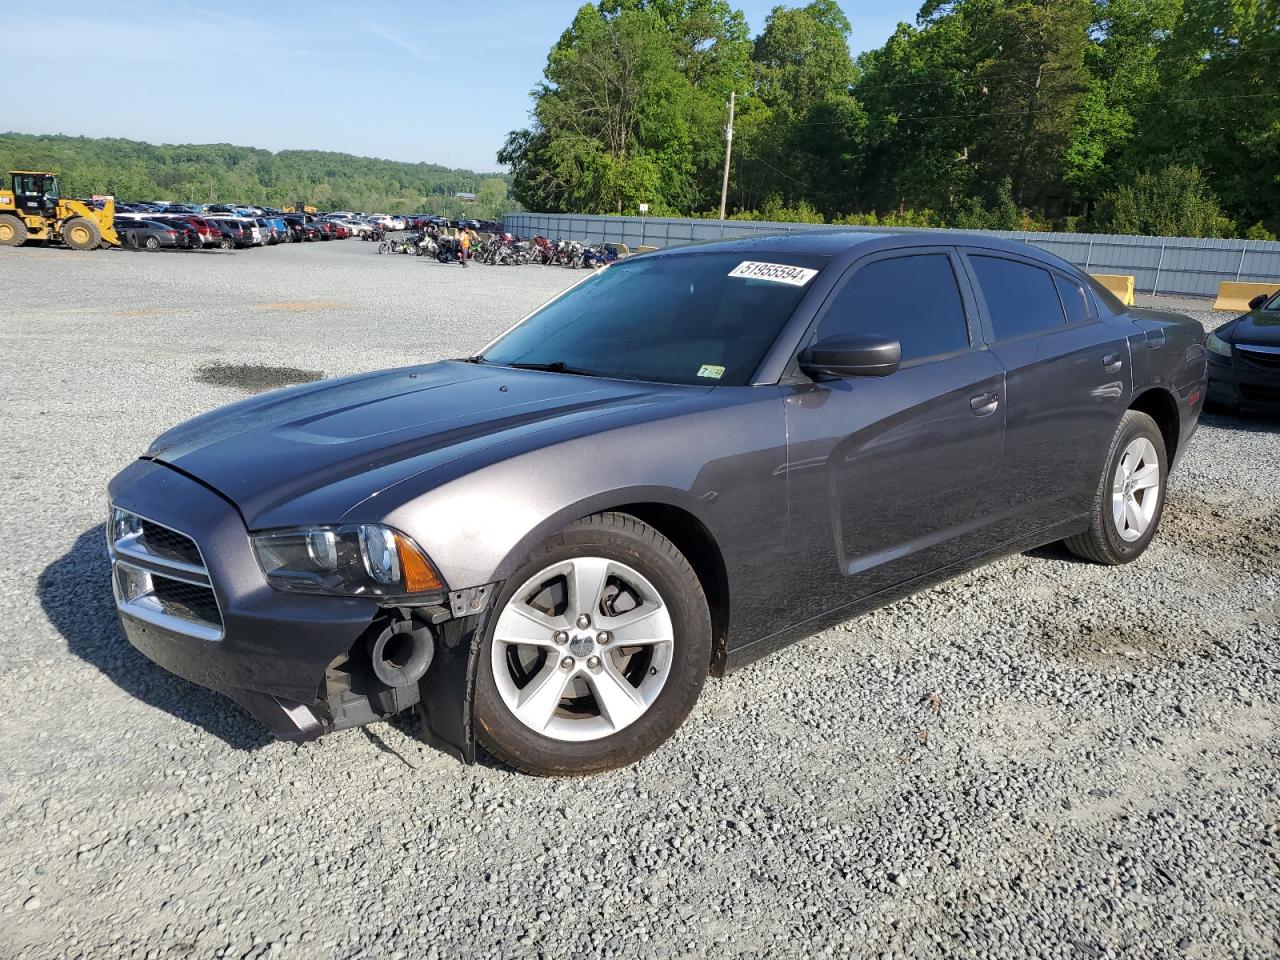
219	172
1125	116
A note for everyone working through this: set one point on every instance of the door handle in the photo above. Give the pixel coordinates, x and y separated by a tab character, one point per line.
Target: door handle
1112	362
984	404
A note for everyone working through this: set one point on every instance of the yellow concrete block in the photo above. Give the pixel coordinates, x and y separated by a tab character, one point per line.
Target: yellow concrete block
1234	295
1121	284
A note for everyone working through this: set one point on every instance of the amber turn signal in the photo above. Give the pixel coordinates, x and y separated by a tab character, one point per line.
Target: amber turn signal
415	569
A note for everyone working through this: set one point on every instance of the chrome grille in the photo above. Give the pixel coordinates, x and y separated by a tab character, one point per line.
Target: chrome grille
159	576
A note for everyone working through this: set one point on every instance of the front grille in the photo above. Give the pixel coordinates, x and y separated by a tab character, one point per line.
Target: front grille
187	601
1260	358
159	577
170	544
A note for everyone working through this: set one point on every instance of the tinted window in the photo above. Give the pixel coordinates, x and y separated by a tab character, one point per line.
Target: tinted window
705	318
915	299
1020	298
1073	301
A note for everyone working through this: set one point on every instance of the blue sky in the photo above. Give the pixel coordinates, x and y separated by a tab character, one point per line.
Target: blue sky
434	81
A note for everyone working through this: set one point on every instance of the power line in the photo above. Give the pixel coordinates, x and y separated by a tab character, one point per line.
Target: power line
1023	113
752	156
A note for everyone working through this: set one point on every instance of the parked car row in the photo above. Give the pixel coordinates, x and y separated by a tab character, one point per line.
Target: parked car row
186	226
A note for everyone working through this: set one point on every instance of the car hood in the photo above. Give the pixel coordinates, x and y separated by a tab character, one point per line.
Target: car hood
335	443
1260	326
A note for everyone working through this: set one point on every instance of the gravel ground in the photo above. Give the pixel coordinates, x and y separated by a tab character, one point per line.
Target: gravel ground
1043	758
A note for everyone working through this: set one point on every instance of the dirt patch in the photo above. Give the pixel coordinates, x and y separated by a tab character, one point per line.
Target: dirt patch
254	377
300	306
1231	535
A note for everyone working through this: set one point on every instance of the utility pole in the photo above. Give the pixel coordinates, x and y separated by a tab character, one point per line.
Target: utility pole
728	153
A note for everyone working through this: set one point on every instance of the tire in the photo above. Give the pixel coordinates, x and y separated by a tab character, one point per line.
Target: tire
152	243
79	233
13	232
226	243
652	686
1126	486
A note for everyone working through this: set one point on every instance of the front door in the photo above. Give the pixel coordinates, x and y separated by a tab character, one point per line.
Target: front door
891	478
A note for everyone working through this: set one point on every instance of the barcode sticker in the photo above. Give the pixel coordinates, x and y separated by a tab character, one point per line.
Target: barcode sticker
775	272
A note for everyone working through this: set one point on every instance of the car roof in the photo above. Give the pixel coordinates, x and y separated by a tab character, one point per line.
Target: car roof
834	243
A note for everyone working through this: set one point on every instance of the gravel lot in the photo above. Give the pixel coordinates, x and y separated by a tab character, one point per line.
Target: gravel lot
1044	758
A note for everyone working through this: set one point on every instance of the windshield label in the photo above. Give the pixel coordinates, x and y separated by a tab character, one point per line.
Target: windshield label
711	371
776	272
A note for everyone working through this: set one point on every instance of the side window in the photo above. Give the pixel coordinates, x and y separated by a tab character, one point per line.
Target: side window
913	298
1021	298
1073	301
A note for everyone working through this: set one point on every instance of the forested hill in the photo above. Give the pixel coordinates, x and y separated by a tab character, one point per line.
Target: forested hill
203	173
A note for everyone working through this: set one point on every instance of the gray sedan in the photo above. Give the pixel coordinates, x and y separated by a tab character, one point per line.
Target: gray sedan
675	467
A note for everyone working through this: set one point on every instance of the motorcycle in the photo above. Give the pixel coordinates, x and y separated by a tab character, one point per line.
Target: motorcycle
449	250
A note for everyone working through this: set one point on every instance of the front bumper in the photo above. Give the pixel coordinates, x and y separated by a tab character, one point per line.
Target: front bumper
1238	382
274	647
299	663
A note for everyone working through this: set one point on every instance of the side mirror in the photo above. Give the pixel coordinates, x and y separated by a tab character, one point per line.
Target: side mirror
852	355
1258	301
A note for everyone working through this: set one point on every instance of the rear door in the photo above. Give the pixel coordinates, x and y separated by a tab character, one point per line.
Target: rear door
1067	379
891	478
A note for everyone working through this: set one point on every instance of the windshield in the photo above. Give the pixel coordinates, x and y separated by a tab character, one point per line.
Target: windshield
704	318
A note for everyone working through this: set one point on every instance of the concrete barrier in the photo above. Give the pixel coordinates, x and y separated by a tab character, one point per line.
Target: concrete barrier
1121	284
1234	295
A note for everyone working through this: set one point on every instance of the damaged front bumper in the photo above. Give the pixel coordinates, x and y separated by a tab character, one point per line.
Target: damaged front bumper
191	597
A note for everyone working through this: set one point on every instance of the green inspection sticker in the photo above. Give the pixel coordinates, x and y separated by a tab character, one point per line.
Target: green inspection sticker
711	371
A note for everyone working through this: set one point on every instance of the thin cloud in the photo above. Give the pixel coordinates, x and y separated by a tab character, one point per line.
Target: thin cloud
399	41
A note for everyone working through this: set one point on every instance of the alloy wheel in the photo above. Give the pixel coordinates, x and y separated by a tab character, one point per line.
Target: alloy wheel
583	649
1135	489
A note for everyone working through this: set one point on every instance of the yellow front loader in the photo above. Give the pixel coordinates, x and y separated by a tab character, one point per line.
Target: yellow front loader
35	210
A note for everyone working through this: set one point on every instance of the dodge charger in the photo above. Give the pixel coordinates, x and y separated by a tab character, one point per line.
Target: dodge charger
676	466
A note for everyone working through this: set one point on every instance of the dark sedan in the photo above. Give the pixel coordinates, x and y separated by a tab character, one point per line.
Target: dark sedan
1244	358
146	234
680	464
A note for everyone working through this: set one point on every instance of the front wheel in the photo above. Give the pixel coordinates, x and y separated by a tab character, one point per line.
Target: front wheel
1129	500
597	651
79	233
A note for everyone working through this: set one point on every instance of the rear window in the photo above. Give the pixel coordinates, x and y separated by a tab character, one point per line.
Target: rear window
1073	300
1021	299
698	318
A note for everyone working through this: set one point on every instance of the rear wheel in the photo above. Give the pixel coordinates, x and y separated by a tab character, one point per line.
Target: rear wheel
226	243
152	243
597	652
13	232
81	234
1129	500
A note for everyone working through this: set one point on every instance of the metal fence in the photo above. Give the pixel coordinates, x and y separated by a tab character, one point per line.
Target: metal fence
1169	265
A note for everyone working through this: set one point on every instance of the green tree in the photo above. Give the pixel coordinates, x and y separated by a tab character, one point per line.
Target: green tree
1171	202
610	128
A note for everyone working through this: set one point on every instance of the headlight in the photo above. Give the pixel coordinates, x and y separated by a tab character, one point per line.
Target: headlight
1217	345
358	560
